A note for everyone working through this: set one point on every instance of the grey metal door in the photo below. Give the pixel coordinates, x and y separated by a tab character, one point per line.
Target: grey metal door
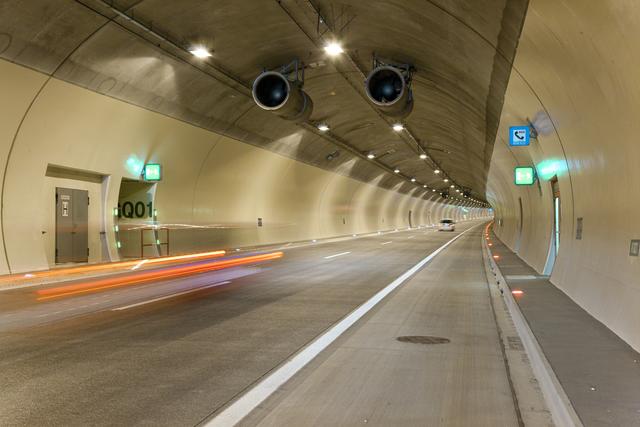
72	220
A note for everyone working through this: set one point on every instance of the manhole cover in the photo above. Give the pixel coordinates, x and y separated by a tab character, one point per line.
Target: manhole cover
423	339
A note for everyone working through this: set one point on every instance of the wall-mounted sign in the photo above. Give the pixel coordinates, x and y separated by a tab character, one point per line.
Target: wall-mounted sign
579	228
135	210
524	175
152	172
519	136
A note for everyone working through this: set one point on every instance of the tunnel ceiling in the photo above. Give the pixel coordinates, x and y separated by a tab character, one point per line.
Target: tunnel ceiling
137	51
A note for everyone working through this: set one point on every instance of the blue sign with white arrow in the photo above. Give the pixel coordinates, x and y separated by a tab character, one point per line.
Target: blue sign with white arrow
519	136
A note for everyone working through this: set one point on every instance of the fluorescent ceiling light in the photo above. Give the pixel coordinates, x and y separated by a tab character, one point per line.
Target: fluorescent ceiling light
333	49
200	52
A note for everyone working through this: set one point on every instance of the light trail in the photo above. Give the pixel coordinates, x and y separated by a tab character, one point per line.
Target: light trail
121	265
144	277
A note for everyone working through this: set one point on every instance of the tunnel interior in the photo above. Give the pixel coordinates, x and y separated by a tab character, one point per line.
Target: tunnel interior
95	91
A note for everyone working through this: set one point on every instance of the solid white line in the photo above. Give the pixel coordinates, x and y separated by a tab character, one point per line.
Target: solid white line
385	243
239	409
336	255
126	307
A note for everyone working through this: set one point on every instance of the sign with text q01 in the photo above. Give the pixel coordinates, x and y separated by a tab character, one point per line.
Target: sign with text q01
519	136
152	172
524	175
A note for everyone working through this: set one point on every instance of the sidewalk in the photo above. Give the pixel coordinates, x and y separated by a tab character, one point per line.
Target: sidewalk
598	371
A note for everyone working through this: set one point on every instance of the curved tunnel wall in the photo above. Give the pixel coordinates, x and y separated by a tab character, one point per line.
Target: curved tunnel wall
576	79
209	180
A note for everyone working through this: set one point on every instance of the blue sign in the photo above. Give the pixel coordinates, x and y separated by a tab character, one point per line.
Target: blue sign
519	136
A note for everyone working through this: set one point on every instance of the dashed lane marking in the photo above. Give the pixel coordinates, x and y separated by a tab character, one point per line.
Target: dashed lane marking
337	255
138	304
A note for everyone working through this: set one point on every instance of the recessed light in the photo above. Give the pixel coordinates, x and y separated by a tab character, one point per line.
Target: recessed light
433	190
333	49
446	180
371	156
396	170
413	180
453	186
424	186
423	156
398	127
323	127
200	52
437	171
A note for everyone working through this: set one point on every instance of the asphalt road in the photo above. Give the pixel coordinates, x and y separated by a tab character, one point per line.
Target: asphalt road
175	360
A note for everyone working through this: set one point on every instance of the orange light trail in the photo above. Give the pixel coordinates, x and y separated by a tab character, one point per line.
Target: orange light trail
138	278
122	265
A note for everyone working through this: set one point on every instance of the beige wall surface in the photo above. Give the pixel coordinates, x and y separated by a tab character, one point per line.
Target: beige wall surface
213	190
575	77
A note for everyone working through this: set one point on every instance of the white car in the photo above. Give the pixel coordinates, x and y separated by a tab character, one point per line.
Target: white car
447	225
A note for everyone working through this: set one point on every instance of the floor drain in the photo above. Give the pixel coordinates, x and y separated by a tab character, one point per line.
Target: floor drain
423	339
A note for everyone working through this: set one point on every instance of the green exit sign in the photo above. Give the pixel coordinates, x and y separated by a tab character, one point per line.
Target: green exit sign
152	172
525	175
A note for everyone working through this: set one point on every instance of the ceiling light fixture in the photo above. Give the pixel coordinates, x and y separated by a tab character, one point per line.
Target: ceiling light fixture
333	49
446	180
396	170
413	180
323	127
437	171
398	127
423	156
200	52
371	156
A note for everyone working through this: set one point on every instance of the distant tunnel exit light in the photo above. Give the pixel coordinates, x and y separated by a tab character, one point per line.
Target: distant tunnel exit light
152	172
524	175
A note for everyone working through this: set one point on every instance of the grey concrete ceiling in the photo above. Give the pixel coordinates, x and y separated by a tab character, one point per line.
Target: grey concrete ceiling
462	51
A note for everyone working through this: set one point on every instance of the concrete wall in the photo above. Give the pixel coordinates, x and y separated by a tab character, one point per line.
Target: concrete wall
213	191
575	77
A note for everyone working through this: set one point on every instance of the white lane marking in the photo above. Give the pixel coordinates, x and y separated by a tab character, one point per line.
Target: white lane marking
140	264
239	409
126	307
411	237
337	255
386	243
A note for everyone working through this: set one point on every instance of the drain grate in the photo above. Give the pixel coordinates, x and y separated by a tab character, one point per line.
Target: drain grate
423	339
